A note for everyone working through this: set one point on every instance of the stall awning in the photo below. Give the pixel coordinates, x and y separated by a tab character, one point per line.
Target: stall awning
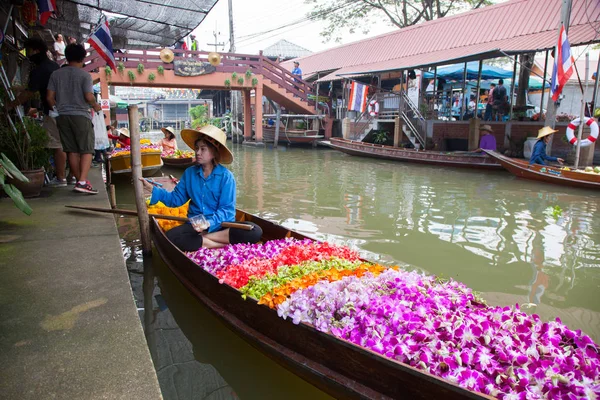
138	24
456	72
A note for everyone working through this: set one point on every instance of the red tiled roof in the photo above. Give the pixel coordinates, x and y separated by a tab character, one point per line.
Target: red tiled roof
512	27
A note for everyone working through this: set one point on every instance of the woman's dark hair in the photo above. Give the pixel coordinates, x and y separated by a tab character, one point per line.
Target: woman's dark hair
172	136
75	53
36	44
211	145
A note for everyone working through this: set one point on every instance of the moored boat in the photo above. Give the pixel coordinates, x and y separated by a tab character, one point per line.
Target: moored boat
336	366
121	163
294	129
178	162
450	159
546	173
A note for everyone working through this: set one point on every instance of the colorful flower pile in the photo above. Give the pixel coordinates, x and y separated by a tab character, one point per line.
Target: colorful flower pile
126	150
437	326
160	208
178	154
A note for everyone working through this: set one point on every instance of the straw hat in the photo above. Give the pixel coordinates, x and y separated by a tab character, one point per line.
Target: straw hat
167	56
168	129
123	131
545	131
214	135
486	128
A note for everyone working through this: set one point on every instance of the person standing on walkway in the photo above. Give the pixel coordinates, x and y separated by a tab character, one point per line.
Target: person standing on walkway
490	103
59	47
194	46
39	76
71	89
538	154
500	99
297	72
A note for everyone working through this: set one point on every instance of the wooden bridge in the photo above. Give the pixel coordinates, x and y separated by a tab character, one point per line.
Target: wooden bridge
265	78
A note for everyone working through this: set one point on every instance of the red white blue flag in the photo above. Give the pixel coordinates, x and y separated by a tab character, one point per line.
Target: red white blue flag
101	40
358	97
563	64
46	8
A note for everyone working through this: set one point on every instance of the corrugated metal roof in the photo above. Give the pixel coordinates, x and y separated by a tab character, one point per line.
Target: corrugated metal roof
285	49
511	27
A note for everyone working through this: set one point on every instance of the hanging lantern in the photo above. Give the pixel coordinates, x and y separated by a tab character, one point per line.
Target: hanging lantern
29	13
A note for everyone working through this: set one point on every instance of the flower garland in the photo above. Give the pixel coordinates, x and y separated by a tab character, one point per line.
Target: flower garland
238	275
160	208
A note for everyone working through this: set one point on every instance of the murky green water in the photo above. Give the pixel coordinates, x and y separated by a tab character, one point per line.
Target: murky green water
487	229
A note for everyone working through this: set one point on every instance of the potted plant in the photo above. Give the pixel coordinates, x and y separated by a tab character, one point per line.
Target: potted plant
26	148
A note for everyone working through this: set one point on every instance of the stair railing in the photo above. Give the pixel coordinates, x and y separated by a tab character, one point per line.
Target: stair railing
413	119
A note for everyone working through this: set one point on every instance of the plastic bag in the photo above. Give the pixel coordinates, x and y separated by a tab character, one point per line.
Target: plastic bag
101	137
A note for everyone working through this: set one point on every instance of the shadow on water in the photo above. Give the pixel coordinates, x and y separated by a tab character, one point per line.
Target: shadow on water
195	355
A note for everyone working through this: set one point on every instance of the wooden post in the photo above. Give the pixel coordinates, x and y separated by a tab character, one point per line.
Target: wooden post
464	93
258	112
474	134
113	196
136	173
512	90
247	116
542	116
477	92
397	132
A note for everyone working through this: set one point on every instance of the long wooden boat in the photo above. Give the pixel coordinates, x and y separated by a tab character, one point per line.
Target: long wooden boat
450	159
151	163
336	366
178	162
292	136
545	173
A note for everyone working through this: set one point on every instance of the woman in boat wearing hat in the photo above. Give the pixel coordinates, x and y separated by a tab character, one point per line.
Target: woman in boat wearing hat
488	141
123	137
168	143
210	187
538	154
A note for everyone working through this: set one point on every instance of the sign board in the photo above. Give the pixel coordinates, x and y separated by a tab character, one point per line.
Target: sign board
105	104
192	68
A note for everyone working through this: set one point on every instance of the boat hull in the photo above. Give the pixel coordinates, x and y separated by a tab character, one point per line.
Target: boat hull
178	162
469	160
545	173
293	138
337	367
151	164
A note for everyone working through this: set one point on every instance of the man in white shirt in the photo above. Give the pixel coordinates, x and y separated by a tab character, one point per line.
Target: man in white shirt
59	47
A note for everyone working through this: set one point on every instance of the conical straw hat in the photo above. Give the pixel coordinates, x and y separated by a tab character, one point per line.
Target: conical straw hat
214	135
545	131
166	55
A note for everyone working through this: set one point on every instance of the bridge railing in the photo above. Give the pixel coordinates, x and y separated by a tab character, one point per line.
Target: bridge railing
230	62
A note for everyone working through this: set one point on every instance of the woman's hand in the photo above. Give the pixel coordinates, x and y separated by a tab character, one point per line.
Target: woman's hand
560	161
147	185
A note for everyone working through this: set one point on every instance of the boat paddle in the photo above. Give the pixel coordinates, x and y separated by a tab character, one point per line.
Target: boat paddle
160	216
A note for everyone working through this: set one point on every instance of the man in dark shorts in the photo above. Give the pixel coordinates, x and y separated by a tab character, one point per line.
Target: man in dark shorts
42	68
71	90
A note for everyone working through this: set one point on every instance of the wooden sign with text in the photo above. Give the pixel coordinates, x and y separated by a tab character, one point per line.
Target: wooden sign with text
192	68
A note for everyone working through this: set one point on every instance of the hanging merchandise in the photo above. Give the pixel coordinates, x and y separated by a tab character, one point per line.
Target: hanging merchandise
100	136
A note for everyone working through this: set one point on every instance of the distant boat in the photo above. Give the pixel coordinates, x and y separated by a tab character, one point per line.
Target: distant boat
289	131
546	173
462	159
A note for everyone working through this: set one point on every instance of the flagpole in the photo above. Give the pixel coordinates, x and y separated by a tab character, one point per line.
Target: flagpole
582	113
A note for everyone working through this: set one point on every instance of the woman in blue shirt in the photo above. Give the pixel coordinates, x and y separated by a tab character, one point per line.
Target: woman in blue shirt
538	154
211	189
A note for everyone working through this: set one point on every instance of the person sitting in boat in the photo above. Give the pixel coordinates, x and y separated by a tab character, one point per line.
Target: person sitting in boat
538	154
210	187
168	143
488	141
123	138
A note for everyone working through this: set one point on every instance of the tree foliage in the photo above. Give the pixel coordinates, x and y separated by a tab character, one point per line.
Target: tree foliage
359	15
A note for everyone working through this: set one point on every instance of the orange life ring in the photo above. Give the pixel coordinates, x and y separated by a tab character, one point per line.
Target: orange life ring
373	108
591	122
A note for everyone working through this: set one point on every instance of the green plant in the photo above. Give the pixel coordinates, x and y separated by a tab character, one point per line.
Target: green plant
380	137
107	71
554	212
240	81
151	77
9	170
25	146
234	76
131	76
140	68
121	67
249	74
160	70
227	83
254	81
199	116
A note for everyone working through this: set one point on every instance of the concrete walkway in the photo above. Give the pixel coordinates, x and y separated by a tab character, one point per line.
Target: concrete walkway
69	327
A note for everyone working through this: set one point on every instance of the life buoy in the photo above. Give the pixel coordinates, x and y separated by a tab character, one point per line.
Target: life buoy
591	122
373	108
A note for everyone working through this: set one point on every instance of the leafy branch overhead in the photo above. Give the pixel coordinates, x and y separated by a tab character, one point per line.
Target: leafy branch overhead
358	15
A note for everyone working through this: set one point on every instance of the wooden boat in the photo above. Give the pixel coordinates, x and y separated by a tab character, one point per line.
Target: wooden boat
289	134
151	163
450	159
545	173
178	162
336	366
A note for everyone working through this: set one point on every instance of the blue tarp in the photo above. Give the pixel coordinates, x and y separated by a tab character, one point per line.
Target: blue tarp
456	72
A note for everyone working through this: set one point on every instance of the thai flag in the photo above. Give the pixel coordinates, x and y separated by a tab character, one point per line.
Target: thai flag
46	9
563	64
101	40
358	97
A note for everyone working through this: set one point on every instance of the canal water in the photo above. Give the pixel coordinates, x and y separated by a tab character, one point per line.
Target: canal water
514	241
